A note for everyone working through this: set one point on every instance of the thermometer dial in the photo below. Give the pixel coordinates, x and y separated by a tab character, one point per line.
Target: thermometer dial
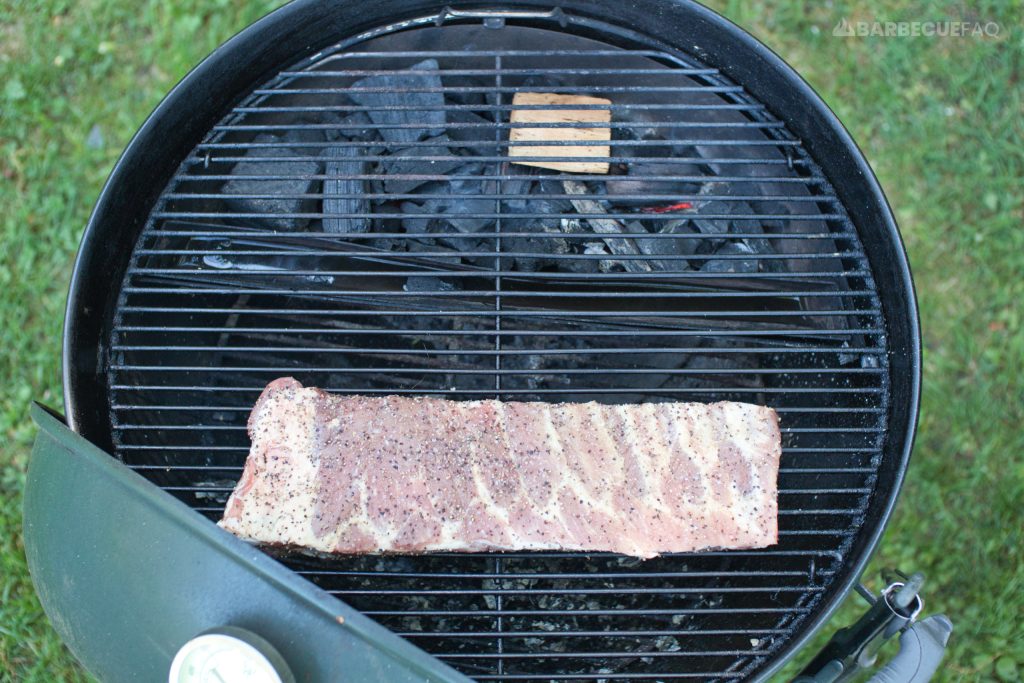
226	658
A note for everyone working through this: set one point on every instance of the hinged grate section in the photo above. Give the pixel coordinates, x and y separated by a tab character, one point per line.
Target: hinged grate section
356	223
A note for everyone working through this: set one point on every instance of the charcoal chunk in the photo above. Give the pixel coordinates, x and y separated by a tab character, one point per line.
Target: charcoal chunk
356	127
732	265
467	89
275	195
463	200
666	246
638	182
457	202
423	111
409	162
712	226
547	215
423	283
344	161
412	224
537	251
608	226
475	130
305	135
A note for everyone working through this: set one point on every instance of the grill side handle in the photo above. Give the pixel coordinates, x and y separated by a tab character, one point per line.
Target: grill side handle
854	649
128	574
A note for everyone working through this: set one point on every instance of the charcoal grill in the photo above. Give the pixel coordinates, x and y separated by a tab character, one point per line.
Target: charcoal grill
268	220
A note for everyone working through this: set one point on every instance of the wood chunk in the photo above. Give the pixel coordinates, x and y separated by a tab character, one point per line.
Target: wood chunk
571	136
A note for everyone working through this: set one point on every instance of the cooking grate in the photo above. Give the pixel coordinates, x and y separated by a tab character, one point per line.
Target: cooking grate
479	278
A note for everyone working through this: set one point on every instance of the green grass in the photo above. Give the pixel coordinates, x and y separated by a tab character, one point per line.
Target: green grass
940	120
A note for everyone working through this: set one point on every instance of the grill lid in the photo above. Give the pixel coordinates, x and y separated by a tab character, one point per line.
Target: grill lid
355	222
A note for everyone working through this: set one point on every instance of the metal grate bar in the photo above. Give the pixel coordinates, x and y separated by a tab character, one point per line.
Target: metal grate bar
769	350
510	196
418	313
575	655
590	634
270	237
609	676
513	373
255	389
197	290
577	591
481	613
518	333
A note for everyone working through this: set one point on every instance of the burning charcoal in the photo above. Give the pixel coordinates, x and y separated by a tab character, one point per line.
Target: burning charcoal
425	109
720	226
732	265
609	226
276	195
345	161
396	165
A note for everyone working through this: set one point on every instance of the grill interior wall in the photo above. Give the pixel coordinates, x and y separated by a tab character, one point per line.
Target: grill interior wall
218	302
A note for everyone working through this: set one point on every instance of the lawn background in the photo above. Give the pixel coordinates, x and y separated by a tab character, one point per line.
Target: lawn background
940	119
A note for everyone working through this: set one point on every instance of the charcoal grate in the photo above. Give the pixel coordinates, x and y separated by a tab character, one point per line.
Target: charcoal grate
355	222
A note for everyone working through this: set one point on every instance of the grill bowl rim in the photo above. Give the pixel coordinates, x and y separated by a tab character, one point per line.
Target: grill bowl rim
247	58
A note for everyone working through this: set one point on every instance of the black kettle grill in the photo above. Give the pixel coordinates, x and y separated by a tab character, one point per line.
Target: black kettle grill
330	196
